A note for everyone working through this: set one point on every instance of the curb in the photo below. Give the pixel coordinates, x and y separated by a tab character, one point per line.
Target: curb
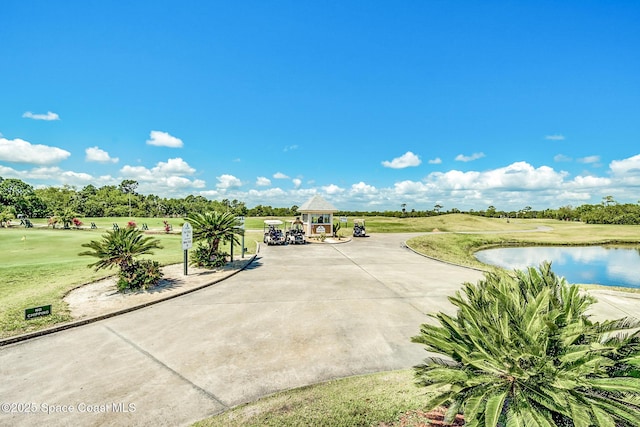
71	325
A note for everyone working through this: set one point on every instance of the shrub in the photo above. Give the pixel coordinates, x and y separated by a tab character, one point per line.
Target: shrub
202	256
521	351
131	224
142	274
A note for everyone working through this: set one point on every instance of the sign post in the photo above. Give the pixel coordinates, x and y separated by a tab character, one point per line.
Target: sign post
187	242
240	219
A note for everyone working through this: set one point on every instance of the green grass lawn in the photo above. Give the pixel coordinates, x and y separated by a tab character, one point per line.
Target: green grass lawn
40	265
371	400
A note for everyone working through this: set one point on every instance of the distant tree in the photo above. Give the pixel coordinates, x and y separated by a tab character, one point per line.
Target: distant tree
437	207
22	197
128	186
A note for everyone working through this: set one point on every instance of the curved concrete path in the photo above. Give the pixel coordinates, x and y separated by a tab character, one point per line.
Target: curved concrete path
298	315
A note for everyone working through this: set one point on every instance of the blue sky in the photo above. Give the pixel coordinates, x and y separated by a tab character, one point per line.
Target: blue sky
371	104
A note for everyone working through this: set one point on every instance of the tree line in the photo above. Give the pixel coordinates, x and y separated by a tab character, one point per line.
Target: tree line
20	198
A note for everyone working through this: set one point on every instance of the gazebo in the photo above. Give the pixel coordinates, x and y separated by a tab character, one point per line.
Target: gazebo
317	216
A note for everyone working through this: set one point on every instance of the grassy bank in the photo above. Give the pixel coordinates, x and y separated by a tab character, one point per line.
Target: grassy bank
371	400
460	248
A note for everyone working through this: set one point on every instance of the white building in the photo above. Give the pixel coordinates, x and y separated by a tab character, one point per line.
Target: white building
317	216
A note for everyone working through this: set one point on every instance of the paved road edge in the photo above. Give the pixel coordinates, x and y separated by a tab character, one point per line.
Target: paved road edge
75	324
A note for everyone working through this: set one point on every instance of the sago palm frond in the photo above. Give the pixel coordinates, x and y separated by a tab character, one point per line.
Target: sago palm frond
527	354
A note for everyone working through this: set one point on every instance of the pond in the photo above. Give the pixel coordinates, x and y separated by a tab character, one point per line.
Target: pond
603	265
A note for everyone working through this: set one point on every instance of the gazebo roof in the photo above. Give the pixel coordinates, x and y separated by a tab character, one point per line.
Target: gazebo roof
317	204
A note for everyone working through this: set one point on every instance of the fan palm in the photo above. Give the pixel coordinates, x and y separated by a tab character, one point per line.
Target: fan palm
521	351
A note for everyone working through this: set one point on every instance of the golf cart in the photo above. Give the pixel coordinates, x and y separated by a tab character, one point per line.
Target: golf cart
273	234
295	234
358	228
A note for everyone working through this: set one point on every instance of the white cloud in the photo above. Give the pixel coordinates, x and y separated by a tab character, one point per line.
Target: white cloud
48	117
297	182
268	194
562	158
169	177
589	159
408	159
515	177
163	170
227	181
54	175
21	151
588	182
332	189
555	137
435	161
474	156
163	139
628	166
280	175
95	154
409	187
180	182
175	166
362	188
290	148
262	181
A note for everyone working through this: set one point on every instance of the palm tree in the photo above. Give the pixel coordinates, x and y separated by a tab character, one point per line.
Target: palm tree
214	228
66	216
119	248
521	351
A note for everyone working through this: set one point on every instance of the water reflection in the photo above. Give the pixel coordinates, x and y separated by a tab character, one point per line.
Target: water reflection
604	265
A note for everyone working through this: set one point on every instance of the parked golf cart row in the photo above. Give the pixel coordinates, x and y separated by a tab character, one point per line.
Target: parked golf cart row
294	235
274	235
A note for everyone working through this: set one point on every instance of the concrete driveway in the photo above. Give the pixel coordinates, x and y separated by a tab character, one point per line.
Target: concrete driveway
298	315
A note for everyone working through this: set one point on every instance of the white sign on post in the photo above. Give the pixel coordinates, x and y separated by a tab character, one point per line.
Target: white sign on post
187	236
